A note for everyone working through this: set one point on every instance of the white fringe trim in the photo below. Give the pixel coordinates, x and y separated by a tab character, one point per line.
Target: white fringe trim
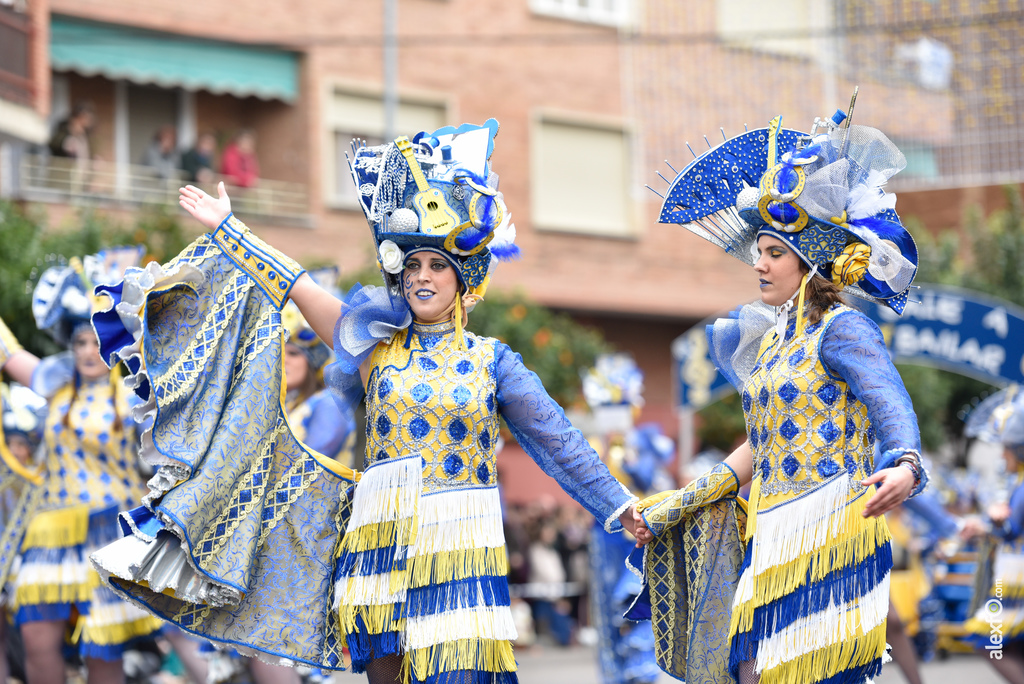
482	622
797	527
68	572
835	624
367	590
388	491
459	520
1009	569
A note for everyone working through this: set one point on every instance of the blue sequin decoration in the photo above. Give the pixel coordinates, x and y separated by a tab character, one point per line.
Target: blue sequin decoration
789	429
827	468
426	363
796	357
790	465
453	465
763	397
384	388
789	392
850	463
485	440
457	430
463	367
383	425
422	392
753	439
829	432
419	427
483	473
851	427
747	401
829	393
461	395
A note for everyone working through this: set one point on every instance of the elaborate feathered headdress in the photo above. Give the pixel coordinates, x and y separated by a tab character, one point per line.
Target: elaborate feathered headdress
821	193
436	192
63	300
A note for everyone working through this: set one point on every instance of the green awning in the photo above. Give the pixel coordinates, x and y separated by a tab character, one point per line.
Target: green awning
172	61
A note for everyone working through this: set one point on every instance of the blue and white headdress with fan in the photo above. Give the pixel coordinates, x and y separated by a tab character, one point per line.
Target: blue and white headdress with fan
436	192
63	299
821	193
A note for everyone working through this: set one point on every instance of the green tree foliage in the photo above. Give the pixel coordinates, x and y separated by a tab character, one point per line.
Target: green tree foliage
29	248
552	345
987	256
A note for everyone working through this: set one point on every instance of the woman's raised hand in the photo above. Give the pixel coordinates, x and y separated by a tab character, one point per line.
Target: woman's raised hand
208	210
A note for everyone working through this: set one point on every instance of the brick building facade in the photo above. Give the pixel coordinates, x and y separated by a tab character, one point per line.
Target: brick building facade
589	94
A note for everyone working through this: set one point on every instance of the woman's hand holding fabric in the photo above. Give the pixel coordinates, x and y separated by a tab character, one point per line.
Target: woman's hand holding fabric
208	210
896	485
628	520
643	535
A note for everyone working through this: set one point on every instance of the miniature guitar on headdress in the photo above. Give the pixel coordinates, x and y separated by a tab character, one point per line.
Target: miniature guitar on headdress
436	217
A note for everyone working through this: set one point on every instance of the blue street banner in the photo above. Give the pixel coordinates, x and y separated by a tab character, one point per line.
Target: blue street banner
961	331
698	381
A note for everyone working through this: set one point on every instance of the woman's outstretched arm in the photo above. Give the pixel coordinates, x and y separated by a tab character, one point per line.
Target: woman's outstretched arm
320	308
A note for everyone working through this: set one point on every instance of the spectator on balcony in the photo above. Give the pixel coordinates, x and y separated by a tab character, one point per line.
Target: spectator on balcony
239	161
71	137
198	162
162	155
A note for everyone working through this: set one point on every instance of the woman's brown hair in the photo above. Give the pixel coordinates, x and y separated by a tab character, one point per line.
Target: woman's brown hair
820	295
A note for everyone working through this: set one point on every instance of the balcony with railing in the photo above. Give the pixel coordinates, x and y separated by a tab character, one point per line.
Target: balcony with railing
44	178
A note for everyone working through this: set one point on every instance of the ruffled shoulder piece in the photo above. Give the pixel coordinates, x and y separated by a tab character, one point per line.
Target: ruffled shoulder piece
369	316
52	373
734	342
236	534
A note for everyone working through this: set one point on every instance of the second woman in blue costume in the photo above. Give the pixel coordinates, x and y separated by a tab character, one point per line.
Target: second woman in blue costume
277	553
801	591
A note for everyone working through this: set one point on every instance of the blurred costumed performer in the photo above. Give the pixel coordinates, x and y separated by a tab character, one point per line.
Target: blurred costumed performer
800	591
91	439
21	479
274	552
997	627
637	456
317	420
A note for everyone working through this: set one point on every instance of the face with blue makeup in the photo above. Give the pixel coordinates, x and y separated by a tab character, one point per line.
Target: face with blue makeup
430	285
779	270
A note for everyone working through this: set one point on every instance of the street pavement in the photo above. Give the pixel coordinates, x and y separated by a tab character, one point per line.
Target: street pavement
578	665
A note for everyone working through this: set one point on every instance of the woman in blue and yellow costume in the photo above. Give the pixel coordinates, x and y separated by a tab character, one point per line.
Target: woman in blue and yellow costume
316	419
997	627
637	455
799	591
21	481
90	474
251	539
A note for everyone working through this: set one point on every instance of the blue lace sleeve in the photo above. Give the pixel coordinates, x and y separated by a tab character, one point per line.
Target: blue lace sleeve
328	426
541	428
853	350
